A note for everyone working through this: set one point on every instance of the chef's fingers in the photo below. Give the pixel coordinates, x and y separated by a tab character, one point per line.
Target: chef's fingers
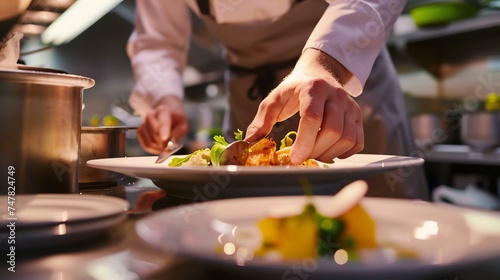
179	127
331	131
162	124
312	107
360	141
154	132
146	138
342	122
269	112
345	143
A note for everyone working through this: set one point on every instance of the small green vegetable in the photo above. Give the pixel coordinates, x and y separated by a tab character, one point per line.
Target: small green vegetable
176	162
287	141
238	135
219	145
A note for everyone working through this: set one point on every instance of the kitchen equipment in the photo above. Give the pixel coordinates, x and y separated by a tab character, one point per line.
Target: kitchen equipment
430	129
40	124
100	142
481	130
171	148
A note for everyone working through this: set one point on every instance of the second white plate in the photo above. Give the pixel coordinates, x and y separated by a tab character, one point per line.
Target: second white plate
48	209
445	238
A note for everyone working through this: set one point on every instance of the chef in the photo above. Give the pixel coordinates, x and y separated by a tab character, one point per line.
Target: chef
317	67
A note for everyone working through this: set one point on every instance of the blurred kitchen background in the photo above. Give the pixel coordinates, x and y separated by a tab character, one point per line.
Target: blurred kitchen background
447	54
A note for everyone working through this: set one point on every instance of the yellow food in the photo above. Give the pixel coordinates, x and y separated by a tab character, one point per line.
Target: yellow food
310	234
264	153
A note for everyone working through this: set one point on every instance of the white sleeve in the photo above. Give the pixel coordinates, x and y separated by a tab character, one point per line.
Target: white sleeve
158	51
354	32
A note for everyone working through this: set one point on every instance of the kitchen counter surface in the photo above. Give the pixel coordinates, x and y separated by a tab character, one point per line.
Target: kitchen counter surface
120	254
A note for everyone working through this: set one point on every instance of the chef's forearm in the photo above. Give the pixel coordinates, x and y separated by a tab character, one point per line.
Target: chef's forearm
158	50
354	33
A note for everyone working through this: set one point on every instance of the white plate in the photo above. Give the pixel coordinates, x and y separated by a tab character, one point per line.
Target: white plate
48	209
59	236
445	237
208	183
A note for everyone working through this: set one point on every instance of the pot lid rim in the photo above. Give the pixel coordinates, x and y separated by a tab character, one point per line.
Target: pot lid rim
45	77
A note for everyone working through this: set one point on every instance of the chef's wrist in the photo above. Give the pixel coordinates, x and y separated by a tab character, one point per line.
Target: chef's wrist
171	101
338	71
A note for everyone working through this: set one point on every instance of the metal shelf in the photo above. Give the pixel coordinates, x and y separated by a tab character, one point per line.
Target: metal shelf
463	154
487	20
454	45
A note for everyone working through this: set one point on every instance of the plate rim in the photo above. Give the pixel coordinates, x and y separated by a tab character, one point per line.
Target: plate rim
120	206
103	163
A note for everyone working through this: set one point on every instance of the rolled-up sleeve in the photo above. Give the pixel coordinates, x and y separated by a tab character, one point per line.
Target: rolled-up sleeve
354	32
157	50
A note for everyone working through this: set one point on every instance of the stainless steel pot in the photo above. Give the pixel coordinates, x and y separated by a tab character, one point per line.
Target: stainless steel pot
100	142
481	130
40	123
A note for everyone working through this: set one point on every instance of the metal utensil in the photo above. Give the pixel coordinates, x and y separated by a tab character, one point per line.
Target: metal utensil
171	148
235	154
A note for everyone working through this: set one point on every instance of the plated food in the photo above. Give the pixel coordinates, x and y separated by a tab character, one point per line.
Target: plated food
342	231
312	233
264	152
414	239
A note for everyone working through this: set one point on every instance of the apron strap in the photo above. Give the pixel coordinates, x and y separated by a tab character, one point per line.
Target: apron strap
265	79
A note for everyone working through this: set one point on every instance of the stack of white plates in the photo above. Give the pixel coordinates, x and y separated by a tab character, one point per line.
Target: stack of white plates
46	220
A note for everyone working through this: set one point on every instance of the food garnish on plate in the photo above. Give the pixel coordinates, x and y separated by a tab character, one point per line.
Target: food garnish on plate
341	230
344	225
264	152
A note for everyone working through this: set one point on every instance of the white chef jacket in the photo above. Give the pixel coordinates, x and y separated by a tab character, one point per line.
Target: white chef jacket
158	46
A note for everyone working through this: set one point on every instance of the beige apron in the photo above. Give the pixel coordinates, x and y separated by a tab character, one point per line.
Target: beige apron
386	124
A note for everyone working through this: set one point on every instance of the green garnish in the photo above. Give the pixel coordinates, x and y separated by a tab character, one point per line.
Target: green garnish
217	149
238	135
287	141
176	162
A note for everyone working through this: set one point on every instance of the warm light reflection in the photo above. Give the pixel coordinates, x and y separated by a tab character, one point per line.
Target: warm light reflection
229	248
64	216
222	227
427	230
341	257
232	168
243	255
61	229
220	238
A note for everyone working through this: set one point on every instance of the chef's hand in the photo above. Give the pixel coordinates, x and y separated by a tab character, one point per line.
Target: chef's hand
331	123
166	121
